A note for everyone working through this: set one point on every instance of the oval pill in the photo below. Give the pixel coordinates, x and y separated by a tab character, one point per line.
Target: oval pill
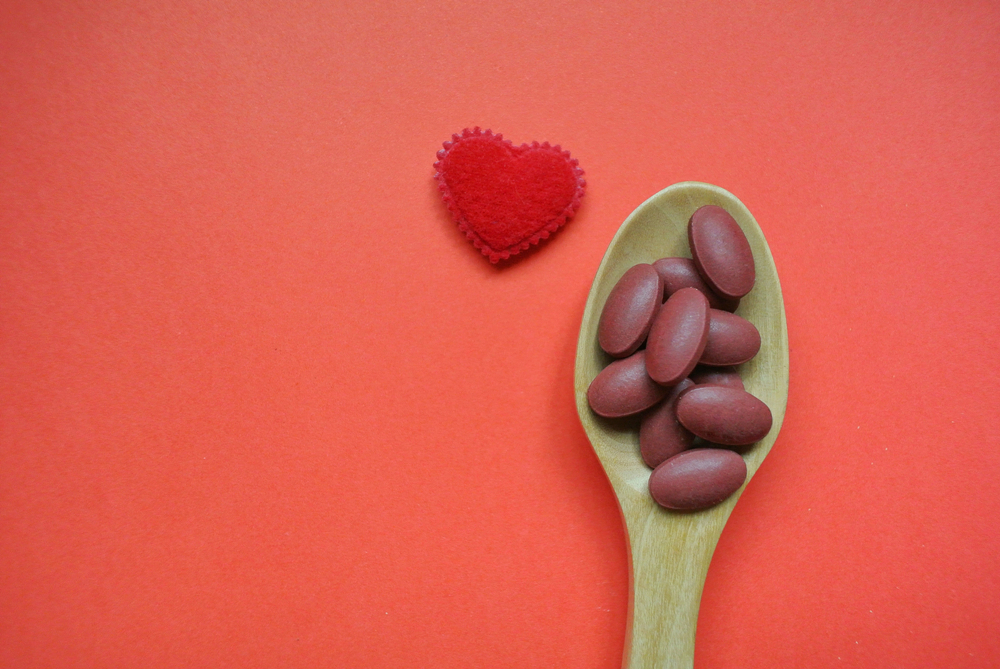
629	310
624	388
717	376
732	340
724	415
680	273
697	479
677	337
721	251
661	435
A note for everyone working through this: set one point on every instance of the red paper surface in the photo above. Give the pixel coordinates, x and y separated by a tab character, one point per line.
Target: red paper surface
262	404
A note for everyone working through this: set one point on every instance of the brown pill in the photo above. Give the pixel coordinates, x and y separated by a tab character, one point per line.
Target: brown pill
717	376
629	311
624	388
680	273
677	338
697	479
661	436
724	415
721	252
732	340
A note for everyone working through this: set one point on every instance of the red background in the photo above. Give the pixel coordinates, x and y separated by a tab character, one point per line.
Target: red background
262	405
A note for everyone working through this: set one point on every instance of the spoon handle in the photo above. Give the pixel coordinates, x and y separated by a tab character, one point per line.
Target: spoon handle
670	555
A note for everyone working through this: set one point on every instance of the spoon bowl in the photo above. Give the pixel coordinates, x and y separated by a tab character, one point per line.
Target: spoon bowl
670	551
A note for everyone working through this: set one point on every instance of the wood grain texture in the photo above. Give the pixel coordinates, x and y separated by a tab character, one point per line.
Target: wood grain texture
671	551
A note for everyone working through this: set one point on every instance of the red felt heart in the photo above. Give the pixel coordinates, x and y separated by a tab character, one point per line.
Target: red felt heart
506	198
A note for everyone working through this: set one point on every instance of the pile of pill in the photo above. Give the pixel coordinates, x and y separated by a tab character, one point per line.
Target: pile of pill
676	364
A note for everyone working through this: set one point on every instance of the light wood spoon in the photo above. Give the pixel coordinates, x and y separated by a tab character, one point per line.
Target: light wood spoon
670	550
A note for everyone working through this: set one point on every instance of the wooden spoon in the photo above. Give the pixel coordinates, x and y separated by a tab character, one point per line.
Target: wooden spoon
670	550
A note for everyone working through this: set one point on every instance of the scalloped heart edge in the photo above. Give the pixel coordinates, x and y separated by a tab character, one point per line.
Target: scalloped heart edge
496	255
